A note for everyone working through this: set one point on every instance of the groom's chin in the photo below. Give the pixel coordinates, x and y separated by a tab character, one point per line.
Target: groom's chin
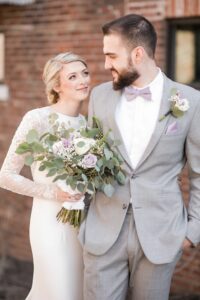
117	86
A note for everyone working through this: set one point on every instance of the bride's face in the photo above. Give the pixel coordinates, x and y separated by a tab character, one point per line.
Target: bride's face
74	82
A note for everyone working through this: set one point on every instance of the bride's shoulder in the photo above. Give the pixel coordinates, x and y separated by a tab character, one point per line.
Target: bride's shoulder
35	118
37	113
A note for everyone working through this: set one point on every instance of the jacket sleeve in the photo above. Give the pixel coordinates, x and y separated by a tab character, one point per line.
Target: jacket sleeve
193	160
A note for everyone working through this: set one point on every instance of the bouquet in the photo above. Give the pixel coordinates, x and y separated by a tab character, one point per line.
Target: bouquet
80	161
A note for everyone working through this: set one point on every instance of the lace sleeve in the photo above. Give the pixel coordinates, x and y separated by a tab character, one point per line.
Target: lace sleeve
10	177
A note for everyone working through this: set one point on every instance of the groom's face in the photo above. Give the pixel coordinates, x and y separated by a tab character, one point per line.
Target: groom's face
118	60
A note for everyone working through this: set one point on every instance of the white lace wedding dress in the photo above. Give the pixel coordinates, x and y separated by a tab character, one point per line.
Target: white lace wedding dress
57	254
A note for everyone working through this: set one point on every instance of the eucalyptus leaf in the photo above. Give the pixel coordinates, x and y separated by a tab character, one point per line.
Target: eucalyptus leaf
93	132
59	163
62	177
51	172
40	158
81	187
108	153
97	183
29	160
115	162
37	148
96	122
42	167
73	184
90	188
23	148
121	177
108	189
84	177
100	163
32	136
97	168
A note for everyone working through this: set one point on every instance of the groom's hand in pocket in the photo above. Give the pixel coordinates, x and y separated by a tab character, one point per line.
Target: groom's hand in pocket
186	244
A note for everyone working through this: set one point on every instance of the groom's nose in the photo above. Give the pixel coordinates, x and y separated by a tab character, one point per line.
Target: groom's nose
107	64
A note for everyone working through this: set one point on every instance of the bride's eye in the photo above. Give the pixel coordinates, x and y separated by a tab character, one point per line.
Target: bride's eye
72	77
86	73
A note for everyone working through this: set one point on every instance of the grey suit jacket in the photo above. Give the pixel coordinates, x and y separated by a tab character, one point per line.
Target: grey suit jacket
161	219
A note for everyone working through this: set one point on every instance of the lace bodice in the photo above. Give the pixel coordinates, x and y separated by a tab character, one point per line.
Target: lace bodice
10	177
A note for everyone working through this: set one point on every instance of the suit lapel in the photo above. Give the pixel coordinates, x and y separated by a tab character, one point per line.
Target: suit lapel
160	125
114	99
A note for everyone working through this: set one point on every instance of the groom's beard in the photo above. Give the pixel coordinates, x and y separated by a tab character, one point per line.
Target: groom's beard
126	78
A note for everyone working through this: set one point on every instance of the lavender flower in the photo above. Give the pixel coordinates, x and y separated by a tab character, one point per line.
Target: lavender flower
67	143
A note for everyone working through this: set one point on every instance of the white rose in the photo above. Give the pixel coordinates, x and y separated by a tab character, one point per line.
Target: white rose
83	145
183	104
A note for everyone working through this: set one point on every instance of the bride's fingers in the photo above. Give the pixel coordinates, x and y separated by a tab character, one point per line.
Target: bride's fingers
64	196
72	198
78	196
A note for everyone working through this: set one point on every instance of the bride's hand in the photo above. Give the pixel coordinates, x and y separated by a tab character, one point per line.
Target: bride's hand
62	196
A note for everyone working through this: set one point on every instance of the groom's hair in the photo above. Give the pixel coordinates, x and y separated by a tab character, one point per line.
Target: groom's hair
135	30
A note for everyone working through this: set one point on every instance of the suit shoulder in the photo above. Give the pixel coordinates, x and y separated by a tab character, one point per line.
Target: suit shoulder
187	92
188	89
103	87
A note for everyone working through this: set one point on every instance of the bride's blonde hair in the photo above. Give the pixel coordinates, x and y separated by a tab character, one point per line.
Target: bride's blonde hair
51	73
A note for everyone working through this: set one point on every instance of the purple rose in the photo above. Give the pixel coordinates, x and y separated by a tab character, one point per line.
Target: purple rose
89	161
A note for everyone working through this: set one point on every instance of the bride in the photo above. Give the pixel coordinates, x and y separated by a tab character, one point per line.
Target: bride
57	255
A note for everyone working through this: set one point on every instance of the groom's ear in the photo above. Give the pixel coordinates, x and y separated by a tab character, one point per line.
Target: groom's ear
137	54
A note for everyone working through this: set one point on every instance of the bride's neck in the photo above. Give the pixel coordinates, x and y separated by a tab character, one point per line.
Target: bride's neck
70	108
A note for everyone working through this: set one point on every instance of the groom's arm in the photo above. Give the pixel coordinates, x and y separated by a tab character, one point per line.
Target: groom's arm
193	159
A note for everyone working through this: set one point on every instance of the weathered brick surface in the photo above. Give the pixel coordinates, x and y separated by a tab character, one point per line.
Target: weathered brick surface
33	34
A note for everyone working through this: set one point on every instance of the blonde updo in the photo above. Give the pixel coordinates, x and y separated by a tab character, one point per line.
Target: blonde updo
51	74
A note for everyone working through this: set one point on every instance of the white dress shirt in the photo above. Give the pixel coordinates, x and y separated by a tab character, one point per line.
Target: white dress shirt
136	119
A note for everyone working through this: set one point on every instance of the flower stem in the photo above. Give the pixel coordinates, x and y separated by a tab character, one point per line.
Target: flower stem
165	115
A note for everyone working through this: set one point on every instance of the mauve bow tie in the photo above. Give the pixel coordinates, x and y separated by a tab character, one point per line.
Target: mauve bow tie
131	93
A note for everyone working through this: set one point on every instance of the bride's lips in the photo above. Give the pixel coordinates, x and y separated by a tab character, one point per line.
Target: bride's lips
84	89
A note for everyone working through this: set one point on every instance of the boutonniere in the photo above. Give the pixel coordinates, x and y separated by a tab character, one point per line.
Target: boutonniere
178	105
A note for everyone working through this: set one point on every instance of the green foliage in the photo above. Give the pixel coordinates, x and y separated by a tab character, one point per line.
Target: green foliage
23	148
29	159
68	166
108	189
32	136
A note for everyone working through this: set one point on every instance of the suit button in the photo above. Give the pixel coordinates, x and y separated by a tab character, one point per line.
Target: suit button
124	206
133	176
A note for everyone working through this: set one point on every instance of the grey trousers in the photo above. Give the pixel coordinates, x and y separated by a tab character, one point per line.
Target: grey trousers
124	273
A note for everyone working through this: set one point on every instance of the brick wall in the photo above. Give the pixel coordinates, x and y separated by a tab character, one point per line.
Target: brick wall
33	34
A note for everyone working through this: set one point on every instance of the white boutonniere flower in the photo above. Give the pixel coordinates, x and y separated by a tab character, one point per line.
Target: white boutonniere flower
178	105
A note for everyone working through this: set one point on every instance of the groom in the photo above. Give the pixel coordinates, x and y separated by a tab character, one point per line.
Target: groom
133	240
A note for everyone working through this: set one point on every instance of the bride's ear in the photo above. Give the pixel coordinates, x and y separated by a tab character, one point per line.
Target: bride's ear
56	88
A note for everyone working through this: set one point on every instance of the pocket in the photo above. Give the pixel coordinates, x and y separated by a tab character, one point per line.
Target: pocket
172	136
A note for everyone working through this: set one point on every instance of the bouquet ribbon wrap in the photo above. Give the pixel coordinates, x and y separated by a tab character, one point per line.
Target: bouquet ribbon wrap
77	205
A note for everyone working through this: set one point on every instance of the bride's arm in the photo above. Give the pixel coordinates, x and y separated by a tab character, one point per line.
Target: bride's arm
10	177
